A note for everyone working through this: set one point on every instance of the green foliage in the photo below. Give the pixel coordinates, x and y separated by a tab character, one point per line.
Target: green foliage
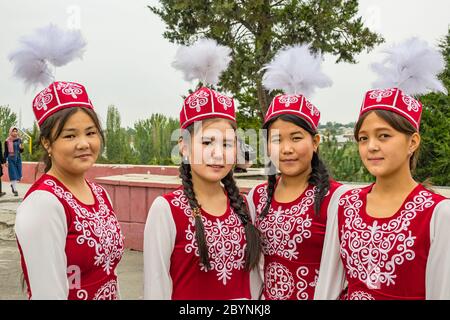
434	158
153	140
7	120
343	161
118	143
256	30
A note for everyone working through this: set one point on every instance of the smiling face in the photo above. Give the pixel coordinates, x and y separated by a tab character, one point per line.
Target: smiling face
77	147
385	151
291	147
212	149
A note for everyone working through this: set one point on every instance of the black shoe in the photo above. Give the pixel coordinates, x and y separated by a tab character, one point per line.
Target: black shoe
2	194
16	193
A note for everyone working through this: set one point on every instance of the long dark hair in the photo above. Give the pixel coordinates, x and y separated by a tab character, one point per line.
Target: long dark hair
253	247
58	120
319	177
397	122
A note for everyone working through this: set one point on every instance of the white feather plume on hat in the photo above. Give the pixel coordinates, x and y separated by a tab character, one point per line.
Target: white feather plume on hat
205	60
412	66
47	45
295	70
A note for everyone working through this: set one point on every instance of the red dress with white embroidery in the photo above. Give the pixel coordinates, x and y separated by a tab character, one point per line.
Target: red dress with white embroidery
94	244
225	237
293	238
386	258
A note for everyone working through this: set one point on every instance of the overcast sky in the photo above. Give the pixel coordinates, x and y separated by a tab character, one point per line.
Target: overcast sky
127	61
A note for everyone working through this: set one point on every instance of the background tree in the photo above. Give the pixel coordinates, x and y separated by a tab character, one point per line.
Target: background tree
7	120
343	161
153	139
256	30
434	158
117	146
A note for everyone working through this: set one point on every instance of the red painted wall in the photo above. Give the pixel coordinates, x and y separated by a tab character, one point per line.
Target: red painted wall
131	202
29	173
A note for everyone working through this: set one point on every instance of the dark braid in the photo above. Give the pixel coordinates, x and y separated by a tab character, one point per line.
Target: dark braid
186	180
271	181
253	248
320	177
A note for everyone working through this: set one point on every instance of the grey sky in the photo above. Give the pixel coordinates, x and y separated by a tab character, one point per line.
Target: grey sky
127	61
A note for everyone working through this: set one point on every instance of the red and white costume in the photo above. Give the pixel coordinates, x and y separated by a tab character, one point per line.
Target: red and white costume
292	238
172	268
69	250
172	265
406	256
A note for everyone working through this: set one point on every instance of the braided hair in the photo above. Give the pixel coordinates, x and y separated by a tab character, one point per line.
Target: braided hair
319	177
253	247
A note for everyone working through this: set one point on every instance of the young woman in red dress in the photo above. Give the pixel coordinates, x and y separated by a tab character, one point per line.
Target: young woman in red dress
291	209
199	240
68	235
390	240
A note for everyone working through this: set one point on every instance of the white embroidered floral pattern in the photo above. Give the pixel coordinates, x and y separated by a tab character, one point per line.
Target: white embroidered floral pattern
70	89
82	294
284	229
412	103
373	251
361	295
380	94
313	110
223	238
99	230
107	292
279	281
225	101
197	100
44	98
302	284
287	99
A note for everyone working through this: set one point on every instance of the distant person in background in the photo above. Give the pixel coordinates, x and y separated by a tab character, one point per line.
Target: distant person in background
245	157
2	161
13	149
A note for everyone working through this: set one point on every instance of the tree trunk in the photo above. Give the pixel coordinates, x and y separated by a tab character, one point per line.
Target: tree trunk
263	99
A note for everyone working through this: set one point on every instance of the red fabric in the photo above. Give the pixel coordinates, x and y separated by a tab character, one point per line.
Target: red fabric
226	242
385	258
293	239
57	96
395	100
293	104
94	242
206	103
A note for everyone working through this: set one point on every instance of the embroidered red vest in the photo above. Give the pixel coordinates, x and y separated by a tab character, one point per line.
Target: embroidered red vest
293	239
385	258
94	244
225	237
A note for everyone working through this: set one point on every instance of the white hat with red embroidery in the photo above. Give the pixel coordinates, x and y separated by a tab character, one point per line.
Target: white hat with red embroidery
205	61
410	68
46	47
296	72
